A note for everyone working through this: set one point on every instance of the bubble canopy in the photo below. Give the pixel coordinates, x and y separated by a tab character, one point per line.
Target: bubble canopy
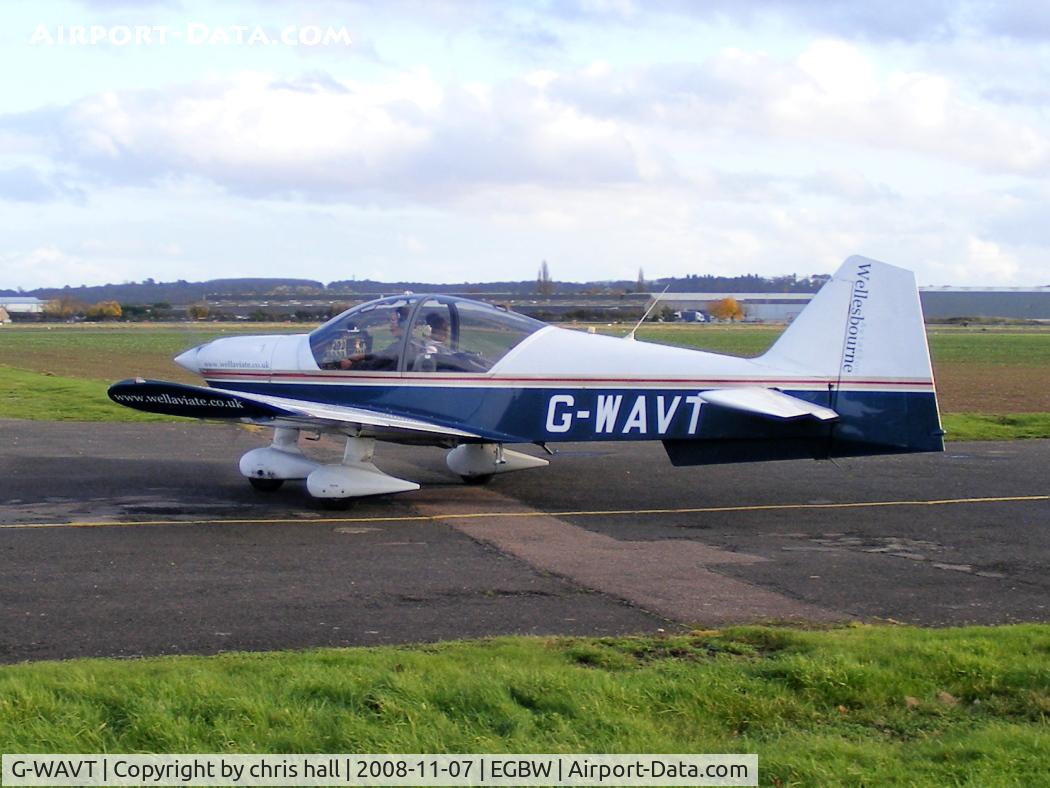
419	333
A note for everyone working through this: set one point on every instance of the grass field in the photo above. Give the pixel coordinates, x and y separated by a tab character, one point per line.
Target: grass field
112	352
848	706
61	372
993	382
979	370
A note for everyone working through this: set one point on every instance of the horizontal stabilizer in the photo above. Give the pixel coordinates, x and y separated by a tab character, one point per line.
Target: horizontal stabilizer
767	402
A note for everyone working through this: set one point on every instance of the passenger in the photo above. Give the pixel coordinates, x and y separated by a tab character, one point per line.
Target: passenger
437	342
433	352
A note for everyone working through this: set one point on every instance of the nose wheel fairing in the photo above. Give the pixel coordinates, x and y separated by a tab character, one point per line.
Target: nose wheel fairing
282	460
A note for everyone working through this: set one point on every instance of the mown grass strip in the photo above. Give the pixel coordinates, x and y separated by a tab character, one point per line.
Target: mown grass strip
995	427
86	350
44	397
863	704
113	351
967	346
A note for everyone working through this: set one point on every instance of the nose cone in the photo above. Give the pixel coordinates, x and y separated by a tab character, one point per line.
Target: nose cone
188	360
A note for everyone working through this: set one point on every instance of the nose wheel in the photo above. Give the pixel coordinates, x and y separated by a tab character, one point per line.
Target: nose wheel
265	485
478	481
268	468
335	504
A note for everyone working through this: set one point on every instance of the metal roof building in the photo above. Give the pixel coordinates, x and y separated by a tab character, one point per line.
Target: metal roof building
1023	303
938	303
21	304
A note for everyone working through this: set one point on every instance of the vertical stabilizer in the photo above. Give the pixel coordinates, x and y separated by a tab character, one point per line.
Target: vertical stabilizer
865	324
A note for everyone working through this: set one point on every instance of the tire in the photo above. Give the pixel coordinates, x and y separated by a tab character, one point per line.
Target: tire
335	504
478	481
263	484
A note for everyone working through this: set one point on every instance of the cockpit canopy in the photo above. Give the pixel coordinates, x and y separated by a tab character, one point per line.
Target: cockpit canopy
419	334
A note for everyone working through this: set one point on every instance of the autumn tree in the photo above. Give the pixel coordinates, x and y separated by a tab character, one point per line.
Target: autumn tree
104	310
197	311
337	308
64	308
726	309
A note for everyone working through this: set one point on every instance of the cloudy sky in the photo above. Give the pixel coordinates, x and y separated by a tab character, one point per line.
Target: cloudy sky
470	140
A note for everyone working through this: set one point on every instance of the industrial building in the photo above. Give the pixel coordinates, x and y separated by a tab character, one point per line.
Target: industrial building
1020	303
21	305
938	303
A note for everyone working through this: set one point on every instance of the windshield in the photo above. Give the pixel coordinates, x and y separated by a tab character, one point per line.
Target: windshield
369	337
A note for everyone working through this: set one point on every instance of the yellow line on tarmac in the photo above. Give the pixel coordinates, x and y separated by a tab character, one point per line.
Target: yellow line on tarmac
531	513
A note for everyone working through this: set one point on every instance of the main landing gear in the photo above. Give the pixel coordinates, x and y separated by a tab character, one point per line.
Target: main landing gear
477	463
267	469
265	485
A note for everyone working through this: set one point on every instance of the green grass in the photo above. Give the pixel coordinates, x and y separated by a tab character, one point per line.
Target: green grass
40	396
112	352
995	427
1025	348
862	704
55	372
746	341
970	346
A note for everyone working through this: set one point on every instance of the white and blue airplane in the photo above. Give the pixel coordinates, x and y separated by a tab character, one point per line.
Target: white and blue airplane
850	376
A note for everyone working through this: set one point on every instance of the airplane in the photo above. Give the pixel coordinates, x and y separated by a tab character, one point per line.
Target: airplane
850	376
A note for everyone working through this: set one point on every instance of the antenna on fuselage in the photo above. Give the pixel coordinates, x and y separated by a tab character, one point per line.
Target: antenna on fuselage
652	306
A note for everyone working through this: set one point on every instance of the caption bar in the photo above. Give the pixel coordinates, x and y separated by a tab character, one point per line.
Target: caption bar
277	770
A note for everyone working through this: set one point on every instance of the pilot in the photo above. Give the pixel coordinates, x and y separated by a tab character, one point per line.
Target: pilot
385	359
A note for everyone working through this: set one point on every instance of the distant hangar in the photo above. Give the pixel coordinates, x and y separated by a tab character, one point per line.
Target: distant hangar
938	303
21	305
1022	303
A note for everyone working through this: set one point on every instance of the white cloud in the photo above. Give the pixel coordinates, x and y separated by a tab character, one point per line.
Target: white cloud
987	262
831	92
618	148
326	139
49	266
409	134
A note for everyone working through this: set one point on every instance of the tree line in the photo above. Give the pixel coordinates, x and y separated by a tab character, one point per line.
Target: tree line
182	292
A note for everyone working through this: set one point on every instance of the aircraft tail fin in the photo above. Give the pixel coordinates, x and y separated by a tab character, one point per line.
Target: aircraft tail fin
864	333
863	337
865	324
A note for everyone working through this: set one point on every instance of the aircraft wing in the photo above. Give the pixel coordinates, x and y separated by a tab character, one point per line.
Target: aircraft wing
767	402
177	399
